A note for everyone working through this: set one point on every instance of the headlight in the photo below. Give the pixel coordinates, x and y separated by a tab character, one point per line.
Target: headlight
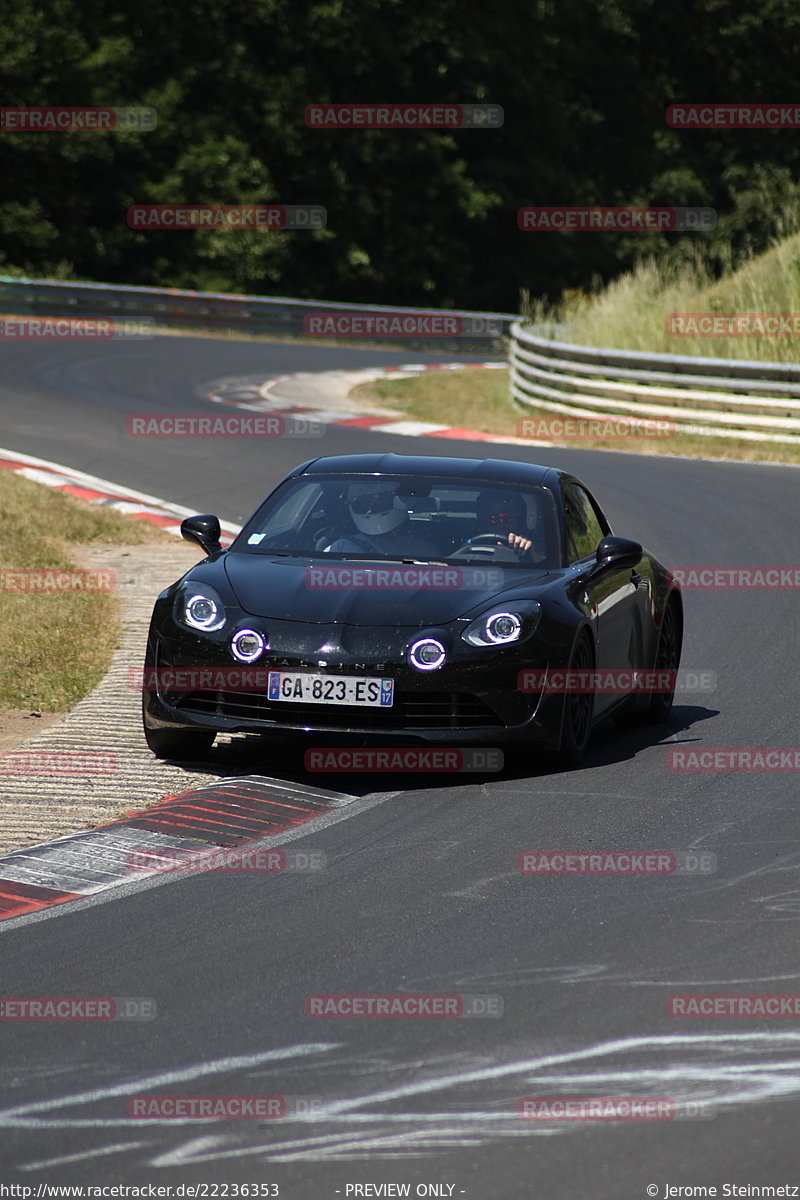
247	645
502	626
427	654
199	607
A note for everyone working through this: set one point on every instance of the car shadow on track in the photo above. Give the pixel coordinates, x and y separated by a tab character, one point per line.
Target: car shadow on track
283	760
613	743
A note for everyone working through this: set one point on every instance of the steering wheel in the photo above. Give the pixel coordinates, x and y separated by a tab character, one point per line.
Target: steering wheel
485	544
488	539
324	537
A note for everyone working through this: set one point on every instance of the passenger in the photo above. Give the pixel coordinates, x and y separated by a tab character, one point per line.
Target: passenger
503	513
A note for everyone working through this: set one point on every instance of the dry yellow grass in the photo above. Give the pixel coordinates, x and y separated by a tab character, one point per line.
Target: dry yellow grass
471	399
55	646
631	312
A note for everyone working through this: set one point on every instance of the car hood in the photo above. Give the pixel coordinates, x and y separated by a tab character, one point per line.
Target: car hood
286	589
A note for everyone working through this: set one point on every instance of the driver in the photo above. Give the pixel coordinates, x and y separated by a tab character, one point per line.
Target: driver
382	524
502	513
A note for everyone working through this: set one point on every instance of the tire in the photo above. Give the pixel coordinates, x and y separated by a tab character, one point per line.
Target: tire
668	658
658	707
576	725
187	745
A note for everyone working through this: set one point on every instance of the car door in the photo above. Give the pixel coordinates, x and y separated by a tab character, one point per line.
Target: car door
610	595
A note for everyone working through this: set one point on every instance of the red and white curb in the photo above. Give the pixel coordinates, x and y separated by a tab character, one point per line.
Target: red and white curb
331	387
202	830
102	491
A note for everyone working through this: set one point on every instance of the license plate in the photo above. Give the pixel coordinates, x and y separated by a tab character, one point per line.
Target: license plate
301	687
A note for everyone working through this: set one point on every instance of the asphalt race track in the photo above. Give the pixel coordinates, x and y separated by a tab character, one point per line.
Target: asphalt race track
422	892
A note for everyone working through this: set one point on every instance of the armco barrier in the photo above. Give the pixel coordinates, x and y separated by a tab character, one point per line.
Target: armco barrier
712	397
274	315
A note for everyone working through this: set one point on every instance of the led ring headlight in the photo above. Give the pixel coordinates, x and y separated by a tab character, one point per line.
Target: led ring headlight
247	645
503	627
201	611
427	654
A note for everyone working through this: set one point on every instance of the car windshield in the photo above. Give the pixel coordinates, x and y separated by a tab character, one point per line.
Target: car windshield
406	517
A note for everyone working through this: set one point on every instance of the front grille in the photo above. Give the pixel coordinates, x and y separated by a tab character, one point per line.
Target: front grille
447	710
425	710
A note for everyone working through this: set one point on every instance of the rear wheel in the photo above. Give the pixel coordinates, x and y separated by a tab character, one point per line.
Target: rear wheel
667	659
578	708
658	706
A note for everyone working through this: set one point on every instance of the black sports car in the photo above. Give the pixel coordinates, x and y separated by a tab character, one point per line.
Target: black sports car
442	599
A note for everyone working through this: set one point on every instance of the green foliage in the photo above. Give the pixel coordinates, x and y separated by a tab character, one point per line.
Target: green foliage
413	217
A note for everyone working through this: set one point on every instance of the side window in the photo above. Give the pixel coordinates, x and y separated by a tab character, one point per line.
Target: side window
583	528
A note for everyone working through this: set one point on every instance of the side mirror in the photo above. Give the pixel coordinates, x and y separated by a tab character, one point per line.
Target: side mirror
619	552
203	531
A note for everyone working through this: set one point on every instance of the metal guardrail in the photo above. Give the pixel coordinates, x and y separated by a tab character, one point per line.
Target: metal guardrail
483	332
712	397
755	401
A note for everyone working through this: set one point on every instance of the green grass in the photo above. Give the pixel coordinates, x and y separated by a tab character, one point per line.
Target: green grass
54	648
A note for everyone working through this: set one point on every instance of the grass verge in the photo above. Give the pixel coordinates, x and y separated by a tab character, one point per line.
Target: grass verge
633	311
55	646
480	400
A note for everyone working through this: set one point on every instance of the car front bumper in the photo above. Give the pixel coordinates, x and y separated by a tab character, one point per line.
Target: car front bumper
469	700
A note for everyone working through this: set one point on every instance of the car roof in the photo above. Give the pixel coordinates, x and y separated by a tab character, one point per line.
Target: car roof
501	470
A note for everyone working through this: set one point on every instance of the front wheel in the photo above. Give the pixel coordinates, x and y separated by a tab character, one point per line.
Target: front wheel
578	709
185	745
